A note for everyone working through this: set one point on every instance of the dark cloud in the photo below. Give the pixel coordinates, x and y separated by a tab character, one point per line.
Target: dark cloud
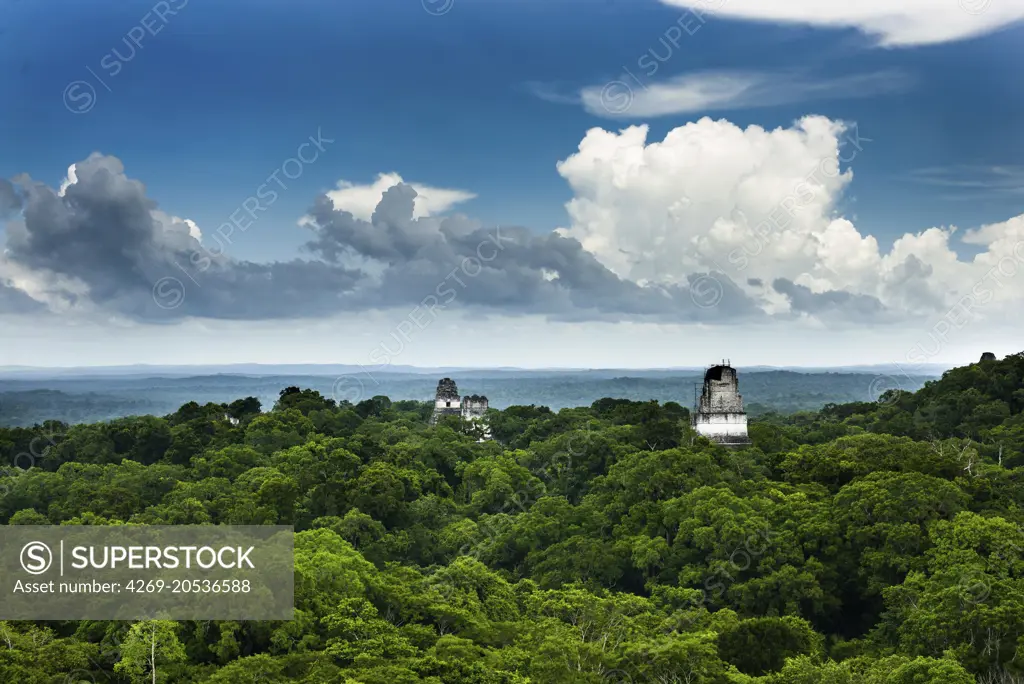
851	306
108	239
507	268
13	300
10	201
907	284
105	233
391	235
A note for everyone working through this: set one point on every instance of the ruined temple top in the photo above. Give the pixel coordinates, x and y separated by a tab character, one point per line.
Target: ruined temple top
720	373
447	389
988	356
721	391
475	398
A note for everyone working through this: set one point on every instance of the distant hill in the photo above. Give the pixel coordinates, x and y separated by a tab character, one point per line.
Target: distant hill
26	400
266	370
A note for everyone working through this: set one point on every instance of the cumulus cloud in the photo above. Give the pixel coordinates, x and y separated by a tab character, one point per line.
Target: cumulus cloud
508	269
760	206
100	243
38	289
14	300
662	210
834	302
909	22
10	201
362	200
713	223
69	180
721	90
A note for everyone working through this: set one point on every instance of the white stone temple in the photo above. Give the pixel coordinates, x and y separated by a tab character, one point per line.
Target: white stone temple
474	408
469	408
720	416
446	401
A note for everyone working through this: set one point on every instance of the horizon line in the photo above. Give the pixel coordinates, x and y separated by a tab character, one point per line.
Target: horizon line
392	368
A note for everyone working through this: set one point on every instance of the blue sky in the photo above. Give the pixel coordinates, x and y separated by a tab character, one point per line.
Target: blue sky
484	96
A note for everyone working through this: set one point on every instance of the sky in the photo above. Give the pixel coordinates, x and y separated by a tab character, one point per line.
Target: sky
556	183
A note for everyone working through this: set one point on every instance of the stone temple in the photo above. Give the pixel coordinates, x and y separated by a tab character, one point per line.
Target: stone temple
469	408
720	416
446	403
473	407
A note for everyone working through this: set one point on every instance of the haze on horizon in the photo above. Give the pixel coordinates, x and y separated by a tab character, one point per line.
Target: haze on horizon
543	346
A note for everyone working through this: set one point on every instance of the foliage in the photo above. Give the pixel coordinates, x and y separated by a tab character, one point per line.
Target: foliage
864	543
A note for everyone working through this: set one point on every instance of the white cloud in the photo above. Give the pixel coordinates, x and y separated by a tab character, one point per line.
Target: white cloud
193	229
646	209
60	293
361	200
71	179
757	205
761	205
892	23
721	90
175	228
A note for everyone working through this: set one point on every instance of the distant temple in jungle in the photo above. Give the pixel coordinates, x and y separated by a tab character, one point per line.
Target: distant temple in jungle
719	415
470	407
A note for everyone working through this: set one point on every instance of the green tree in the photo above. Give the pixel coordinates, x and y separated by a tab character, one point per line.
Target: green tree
149	646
